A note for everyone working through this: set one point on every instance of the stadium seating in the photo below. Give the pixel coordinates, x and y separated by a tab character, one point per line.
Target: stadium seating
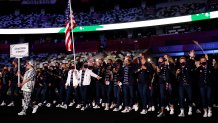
45	20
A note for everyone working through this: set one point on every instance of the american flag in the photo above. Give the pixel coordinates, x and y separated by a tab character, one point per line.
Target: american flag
69	27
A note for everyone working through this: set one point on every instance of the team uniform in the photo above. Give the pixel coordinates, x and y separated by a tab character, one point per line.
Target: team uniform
72	86
4	89
166	78
117	81
205	79
108	86
14	85
62	91
129	87
144	79
185	88
100	87
84	83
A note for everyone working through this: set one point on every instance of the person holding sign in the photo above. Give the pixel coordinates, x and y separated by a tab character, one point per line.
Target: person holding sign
27	86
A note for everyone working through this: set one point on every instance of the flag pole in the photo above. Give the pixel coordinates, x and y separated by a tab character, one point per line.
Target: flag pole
71	24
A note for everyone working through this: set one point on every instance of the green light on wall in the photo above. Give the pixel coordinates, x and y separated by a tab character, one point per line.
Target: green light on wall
201	16
83	28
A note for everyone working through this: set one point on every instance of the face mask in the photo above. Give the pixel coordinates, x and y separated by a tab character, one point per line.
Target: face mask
46	67
160	63
85	66
90	67
72	67
204	63
183	63
115	65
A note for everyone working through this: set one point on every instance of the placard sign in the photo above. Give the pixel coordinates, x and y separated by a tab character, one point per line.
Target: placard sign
19	50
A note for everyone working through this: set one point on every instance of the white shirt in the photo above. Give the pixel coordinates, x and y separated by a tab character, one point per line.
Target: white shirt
75	78
87	77
29	86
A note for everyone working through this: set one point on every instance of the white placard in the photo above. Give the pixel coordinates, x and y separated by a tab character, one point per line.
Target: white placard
19	50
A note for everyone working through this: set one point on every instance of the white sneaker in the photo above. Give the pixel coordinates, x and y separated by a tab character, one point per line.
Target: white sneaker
171	111
190	111
135	107
120	107
107	107
161	114
116	109
129	108
149	109
40	104
100	101
58	105
152	108
167	108
71	104
209	113
64	106
182	114
112	106
198	111
11	104
78	106
143	111
83	108
21	113
103	104
54	101
96	107
48	105
126	110
205	114
35	109
93	104
3	104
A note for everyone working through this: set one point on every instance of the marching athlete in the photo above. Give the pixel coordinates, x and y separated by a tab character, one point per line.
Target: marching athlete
185	86
117	80
166	74
205	79
27	86
129	85
145	71
84	81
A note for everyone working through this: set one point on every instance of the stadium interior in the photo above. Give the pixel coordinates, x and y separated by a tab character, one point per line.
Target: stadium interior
175	39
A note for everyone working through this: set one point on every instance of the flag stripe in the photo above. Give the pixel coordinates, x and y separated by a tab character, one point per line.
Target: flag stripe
69	27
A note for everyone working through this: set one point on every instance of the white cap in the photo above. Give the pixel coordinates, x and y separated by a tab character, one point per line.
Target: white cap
30	62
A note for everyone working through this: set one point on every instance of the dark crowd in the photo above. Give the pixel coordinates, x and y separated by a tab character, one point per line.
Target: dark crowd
131	83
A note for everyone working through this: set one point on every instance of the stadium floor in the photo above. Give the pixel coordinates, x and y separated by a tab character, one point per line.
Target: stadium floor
71	115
